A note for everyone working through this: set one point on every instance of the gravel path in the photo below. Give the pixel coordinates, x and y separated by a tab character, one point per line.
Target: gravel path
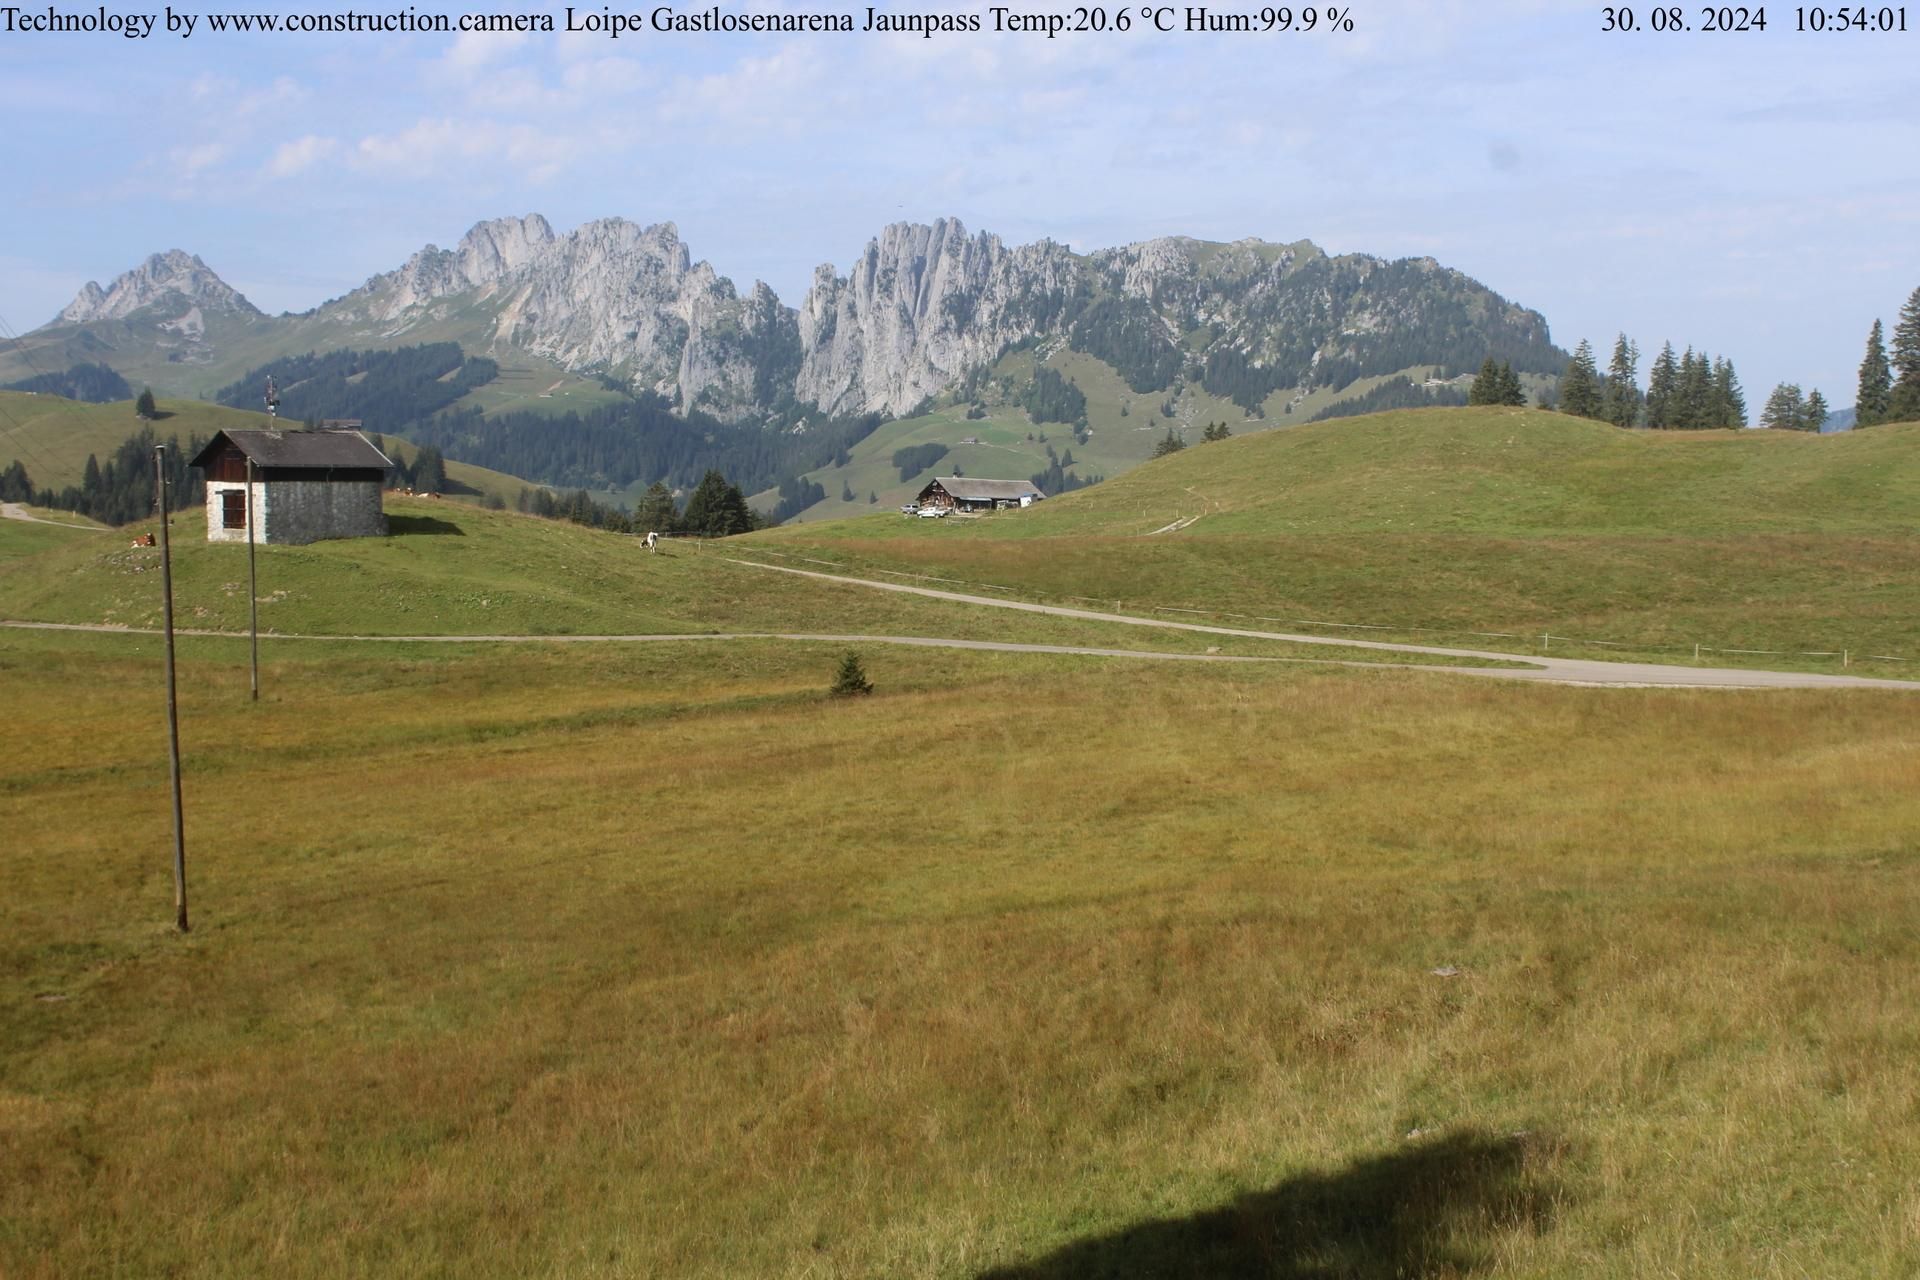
1549	669
15	511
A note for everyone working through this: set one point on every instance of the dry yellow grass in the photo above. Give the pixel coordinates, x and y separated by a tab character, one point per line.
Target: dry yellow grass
608	962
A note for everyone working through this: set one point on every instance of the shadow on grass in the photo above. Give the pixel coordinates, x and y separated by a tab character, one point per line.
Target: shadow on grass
1429	1211
398	526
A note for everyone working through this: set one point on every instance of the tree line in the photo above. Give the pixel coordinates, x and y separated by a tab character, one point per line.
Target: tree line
1687	392
119	491
1058	478
92	383
716	508
1890	384
1693	392
1052	398
386	390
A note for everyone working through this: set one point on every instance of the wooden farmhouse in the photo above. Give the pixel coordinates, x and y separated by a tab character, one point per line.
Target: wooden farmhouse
307	486
964	493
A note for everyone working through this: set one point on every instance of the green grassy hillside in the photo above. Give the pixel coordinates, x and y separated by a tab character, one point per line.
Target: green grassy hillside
452	569
1124	427
50	531
1493	520
52	438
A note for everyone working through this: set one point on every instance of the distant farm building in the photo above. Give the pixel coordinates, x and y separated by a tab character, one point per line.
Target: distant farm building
964	493
307	486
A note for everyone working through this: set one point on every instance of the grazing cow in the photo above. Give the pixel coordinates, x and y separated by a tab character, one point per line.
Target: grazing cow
652	540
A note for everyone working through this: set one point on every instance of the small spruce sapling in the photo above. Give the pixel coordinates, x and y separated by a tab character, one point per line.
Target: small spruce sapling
851	679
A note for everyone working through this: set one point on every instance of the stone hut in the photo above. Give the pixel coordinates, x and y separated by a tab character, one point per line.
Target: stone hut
307	486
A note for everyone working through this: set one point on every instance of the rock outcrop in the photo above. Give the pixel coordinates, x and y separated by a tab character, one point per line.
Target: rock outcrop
610	295
922	306
175	280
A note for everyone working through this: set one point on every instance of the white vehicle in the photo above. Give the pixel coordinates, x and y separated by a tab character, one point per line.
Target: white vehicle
932	513
910	509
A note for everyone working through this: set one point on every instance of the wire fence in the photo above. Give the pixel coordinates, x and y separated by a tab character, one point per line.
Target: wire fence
1546	639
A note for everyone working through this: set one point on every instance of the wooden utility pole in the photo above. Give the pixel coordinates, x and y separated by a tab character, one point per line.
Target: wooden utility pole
253	587
173	706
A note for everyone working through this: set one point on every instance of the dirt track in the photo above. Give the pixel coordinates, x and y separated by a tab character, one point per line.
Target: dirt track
1552	670
1548	669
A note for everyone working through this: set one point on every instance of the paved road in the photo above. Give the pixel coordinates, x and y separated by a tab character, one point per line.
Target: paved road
1552	670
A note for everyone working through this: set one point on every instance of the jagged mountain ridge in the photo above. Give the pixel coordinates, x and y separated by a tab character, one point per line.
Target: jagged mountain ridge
923	307
171	279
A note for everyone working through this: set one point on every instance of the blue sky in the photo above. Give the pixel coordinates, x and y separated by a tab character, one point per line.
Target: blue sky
1753	194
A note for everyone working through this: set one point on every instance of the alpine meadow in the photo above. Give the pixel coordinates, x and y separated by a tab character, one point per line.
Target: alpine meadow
621	957
775	642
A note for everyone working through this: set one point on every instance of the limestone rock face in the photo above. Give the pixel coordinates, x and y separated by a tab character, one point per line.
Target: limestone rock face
610	295
920	307
179	280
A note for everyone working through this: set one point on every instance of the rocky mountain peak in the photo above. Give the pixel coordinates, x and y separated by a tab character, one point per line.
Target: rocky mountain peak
501	245
924	303
177	278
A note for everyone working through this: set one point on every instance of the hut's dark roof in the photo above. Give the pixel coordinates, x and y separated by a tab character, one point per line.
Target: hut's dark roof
967	489
338	450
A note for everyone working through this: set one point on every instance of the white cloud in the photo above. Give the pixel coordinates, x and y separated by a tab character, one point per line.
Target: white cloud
291	158
190	161
446	146
474	51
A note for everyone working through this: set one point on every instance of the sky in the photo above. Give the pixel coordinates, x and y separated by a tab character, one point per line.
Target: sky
1753	194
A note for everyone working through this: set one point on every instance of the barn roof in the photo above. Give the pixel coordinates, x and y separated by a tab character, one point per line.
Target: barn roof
314	449
967	489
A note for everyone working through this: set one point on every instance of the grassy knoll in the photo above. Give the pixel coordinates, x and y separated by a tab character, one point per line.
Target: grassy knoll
1475	520
52	438
617	961
450	569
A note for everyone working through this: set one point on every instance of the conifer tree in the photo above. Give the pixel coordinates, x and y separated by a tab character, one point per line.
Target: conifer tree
1692	408
850	680
655	513
1729	401
429	470
739	516
144	407
1507	388
1904	404
1786	409
1815	415
1485	388
706	515
1580	385
1621	403
1663	383
1875	398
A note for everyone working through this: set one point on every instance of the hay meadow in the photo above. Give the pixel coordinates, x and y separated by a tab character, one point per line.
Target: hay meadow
650	959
